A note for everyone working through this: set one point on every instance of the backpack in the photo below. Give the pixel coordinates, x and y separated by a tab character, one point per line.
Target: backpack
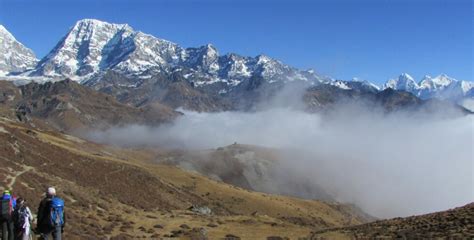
19	217
6	209
57	212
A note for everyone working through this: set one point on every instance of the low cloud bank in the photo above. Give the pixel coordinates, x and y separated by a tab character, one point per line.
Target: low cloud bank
389	165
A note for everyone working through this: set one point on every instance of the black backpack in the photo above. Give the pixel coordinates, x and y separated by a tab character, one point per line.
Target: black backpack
19	217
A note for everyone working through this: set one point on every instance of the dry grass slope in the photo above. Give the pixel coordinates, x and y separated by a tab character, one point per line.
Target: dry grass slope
113	192
456	223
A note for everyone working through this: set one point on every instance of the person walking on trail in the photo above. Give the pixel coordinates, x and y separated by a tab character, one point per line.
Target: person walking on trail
7	205
22	219
51	218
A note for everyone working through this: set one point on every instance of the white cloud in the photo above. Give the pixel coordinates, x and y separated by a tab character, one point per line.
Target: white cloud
388	164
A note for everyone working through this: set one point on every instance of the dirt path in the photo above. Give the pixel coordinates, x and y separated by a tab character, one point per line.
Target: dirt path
12	179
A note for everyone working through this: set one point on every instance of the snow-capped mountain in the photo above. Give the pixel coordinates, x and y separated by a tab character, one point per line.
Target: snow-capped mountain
442	86
404	82
355	84
14	56
93	47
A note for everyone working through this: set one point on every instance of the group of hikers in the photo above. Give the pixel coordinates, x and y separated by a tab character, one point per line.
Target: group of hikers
16	218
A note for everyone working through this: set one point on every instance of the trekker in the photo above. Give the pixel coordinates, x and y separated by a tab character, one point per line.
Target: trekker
6	218
51	218
22	219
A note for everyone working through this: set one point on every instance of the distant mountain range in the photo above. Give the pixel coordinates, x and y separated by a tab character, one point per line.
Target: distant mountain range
442	86
139	68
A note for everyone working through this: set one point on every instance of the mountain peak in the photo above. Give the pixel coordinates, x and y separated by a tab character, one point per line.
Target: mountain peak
210	50
443	75
403	82
90	24
90	21
204	58
443	80
85	49
426	77
5	34
406	76
262	59
210	46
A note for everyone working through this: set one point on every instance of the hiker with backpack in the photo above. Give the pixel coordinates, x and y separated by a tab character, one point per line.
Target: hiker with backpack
6	218
51	218
22	219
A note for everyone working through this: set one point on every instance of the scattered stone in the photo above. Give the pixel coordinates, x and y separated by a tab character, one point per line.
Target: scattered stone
177	233
231	237
273	224
198	234
201	210
212	225
276	238
158	226
108	229
122	236
184	226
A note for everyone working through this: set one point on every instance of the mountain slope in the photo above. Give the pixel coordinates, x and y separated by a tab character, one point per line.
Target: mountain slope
457	223
14	56
112	192
69	106
171	90
249	167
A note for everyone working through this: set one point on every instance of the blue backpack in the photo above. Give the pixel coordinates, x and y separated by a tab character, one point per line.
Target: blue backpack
57	212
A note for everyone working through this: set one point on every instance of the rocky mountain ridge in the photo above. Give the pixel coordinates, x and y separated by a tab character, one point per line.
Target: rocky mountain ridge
92	47
140	69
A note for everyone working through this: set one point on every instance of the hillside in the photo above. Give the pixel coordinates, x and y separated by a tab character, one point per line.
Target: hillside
250	167
457	223
111	191
69	106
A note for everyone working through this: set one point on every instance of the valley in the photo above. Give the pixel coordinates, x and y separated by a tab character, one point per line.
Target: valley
144	138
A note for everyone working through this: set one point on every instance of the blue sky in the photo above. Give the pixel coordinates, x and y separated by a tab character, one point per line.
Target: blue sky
370	39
